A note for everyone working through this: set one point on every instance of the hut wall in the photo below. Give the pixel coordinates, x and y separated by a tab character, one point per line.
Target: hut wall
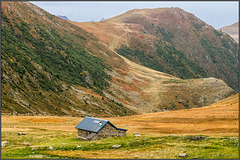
109	131
83	133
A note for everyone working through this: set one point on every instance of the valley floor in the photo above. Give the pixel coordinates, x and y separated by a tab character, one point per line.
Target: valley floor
163	135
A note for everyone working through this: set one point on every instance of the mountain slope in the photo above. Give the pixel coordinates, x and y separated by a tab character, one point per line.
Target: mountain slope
43	59
154	91
232	30
53	67
151	33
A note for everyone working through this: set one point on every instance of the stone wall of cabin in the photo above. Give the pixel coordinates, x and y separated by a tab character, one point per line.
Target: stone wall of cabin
82	134
109	131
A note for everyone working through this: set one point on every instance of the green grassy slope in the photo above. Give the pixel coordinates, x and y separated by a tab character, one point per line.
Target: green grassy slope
147	146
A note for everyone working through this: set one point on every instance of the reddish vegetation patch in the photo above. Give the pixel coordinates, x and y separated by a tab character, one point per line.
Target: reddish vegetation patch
121	71
126	86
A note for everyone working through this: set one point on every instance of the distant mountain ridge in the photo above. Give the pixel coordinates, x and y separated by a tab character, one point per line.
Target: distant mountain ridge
147	35
232	30
63	17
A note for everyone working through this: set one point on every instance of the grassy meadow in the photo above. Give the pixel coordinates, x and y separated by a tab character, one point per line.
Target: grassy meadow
204	133
65	145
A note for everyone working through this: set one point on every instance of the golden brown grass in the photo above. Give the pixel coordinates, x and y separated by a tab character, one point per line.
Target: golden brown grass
217	119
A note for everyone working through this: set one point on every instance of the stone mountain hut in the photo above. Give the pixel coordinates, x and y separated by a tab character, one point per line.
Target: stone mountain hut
93	129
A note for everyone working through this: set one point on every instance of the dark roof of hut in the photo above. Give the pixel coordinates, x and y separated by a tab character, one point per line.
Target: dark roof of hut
94	124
